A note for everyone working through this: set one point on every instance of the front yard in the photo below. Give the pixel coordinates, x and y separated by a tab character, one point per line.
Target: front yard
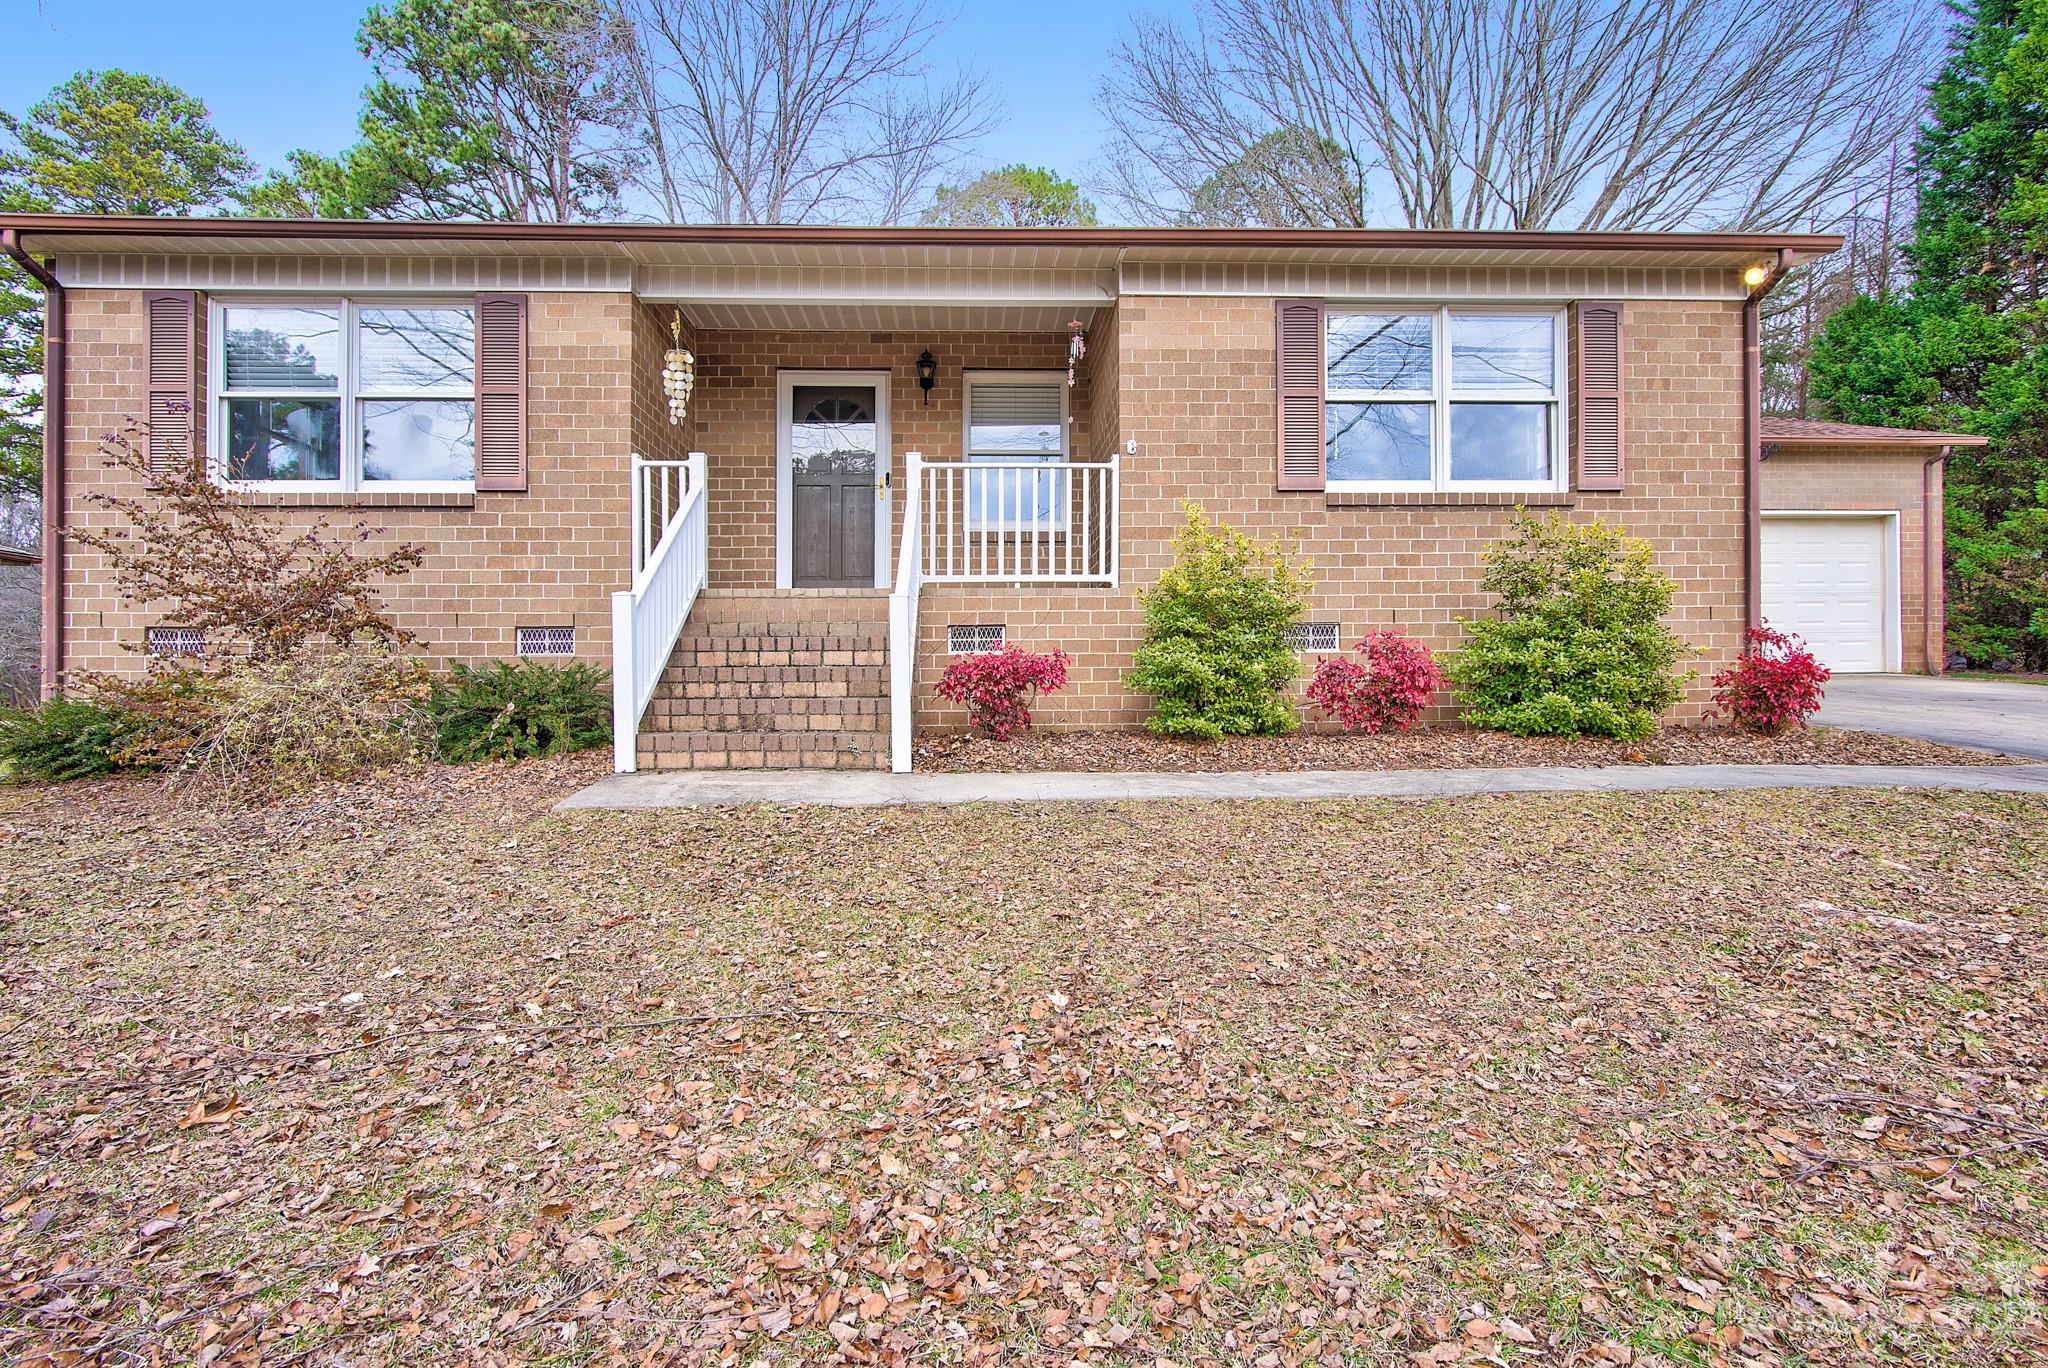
416	1071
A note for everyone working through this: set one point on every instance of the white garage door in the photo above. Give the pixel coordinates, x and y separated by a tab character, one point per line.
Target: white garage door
1824	578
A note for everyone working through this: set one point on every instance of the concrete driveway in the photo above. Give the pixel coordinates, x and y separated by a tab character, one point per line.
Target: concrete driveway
2012	718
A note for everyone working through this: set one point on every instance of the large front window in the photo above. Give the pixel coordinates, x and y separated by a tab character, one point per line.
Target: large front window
1447	399
345	394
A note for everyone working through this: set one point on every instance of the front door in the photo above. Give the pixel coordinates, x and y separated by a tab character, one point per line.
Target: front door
834	452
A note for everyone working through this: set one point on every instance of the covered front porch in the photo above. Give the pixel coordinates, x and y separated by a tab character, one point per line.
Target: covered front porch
834	457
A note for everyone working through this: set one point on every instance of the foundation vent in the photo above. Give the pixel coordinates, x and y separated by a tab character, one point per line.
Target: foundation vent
1313	636
544	641
175	641
973	638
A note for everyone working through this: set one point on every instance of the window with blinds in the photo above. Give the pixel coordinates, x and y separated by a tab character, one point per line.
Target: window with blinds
1016	422
346	393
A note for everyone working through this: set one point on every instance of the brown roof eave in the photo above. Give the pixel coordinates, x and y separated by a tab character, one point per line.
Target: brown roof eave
385	230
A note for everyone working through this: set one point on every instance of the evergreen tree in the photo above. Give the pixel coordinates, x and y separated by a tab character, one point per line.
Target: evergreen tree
515	110
1967	348
1012	197
103	142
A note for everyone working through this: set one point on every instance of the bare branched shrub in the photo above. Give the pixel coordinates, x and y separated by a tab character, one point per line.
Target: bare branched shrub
214	559
278	722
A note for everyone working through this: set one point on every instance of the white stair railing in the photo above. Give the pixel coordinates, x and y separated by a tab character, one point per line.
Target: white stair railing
903	617
1020	522
671	556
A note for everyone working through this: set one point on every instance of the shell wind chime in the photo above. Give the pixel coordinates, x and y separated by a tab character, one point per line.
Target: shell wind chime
678	372
1077	347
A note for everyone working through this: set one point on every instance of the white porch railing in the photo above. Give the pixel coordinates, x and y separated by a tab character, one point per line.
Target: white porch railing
670	533
1018	522
992	522
903	616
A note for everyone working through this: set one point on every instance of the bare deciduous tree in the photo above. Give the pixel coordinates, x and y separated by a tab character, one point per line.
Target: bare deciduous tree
1615	114
796	111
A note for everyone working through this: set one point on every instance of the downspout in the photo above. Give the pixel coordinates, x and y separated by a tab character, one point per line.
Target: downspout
1933	560
1752	435
53	457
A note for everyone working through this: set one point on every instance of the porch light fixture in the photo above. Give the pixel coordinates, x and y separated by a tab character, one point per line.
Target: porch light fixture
927	373
1755	276
678	372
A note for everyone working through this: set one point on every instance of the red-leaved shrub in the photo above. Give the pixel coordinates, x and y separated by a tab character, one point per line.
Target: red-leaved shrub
995	685
1390	689
1774	687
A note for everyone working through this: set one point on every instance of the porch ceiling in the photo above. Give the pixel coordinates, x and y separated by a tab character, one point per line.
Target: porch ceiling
843	316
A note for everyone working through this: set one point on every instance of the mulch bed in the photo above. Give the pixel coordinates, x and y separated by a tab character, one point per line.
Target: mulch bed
1424	748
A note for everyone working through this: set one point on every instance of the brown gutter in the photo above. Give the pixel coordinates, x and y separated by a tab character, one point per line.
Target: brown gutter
1752	440
53	457
1933	561
373	230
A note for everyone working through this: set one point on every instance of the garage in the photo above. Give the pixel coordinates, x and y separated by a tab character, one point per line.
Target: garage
1849	540
1830	579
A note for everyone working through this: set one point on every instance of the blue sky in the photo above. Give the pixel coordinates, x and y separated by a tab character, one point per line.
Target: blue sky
285	74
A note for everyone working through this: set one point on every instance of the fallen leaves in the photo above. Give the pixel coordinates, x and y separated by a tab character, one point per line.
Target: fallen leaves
1500	1081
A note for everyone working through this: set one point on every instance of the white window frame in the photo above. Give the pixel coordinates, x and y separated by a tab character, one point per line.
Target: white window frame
968	380
1440	397
347	307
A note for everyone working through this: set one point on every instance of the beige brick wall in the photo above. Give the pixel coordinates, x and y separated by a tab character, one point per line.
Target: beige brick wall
1874	479
1195	391
547	557
1190	380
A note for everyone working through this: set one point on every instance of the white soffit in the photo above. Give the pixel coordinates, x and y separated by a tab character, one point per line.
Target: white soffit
824	316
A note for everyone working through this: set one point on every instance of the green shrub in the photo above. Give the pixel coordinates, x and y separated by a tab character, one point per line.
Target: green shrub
62	738
510	712
1216	655
1578	646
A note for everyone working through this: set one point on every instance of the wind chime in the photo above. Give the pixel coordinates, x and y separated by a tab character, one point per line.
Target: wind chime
678	372
1077	347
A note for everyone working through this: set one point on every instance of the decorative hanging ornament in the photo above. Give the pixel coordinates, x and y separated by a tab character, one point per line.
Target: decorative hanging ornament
1077	347
678	372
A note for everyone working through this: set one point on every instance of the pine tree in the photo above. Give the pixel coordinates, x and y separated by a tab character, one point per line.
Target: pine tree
1966	348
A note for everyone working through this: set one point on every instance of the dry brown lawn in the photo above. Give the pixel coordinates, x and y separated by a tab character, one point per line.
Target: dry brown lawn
416	1071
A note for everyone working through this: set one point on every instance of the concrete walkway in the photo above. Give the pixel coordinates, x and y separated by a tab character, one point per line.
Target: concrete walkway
874	789
1981	713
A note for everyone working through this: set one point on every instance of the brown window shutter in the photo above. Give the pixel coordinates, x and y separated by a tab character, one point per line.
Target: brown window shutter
1298	326
1596	408
173	318
501	391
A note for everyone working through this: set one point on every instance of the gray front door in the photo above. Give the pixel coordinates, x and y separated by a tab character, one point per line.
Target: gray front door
834	495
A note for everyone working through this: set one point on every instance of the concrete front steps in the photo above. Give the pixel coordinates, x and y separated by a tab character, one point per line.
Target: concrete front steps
790	680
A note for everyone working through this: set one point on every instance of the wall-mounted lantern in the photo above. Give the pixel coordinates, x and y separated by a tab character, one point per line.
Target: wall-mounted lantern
678	372
927	373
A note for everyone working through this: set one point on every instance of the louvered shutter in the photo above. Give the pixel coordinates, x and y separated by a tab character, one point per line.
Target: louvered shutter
501	392
173	318
1299	333
1597	404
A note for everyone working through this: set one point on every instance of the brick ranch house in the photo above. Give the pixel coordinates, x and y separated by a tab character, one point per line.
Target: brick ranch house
892	452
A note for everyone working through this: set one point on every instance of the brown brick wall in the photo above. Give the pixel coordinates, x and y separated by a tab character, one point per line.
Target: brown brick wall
546	557
1196	392
736	424
1874	479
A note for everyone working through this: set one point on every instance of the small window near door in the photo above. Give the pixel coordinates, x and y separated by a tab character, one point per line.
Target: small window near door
1017	433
